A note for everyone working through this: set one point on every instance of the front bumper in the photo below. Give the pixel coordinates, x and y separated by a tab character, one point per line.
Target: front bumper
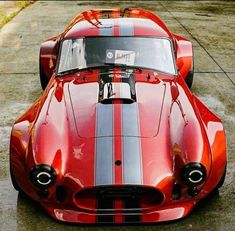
166	213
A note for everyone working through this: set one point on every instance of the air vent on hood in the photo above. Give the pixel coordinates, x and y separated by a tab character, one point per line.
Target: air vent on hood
117	92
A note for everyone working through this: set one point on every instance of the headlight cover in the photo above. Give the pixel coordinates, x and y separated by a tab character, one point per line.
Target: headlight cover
42	176
193	174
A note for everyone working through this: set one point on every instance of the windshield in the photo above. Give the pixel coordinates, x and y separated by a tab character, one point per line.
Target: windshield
152	53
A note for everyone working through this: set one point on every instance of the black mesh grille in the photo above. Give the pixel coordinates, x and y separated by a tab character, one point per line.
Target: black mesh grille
133	198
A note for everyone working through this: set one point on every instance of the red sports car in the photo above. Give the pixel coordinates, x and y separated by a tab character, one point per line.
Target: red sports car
117	136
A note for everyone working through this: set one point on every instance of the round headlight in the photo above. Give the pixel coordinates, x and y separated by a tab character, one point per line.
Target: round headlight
42	176
193	174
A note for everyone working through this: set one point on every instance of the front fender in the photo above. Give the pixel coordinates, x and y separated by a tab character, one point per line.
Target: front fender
217	139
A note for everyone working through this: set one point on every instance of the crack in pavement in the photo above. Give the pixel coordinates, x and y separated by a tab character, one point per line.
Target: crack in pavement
199	43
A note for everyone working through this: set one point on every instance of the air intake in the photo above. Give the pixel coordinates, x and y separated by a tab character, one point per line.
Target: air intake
117	93
134	198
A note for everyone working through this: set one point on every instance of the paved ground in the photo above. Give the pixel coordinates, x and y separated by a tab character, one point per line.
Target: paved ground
210	25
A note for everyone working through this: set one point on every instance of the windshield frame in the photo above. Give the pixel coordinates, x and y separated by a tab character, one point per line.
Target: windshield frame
127	67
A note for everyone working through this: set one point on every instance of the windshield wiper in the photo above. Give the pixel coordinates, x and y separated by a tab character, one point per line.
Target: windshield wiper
90	69
123	65
116	64
69	71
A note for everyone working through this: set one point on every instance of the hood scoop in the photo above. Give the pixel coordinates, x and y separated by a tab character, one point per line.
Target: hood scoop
116	93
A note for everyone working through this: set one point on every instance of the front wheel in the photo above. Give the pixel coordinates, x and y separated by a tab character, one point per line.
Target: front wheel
189	78
221	182
13	181
43	79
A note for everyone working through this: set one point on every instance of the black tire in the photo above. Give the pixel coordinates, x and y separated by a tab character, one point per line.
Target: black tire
189	78
221	182
13	181
215	191
43	79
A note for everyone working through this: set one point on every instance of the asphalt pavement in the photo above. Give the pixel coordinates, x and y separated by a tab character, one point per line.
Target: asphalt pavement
210	25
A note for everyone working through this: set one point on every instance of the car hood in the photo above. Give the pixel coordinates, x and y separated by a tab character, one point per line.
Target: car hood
138	119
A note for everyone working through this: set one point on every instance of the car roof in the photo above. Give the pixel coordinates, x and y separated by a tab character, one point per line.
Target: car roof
116	22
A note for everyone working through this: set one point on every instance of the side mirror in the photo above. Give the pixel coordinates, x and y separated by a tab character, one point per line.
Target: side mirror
48	56
184	55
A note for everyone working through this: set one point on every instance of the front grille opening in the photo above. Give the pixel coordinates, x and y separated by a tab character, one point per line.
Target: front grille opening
176	192
60	193
102	198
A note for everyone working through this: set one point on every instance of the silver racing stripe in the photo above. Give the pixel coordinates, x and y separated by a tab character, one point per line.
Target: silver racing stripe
132	155
106	29
127	29
130	120
104	120
104	145
104	130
